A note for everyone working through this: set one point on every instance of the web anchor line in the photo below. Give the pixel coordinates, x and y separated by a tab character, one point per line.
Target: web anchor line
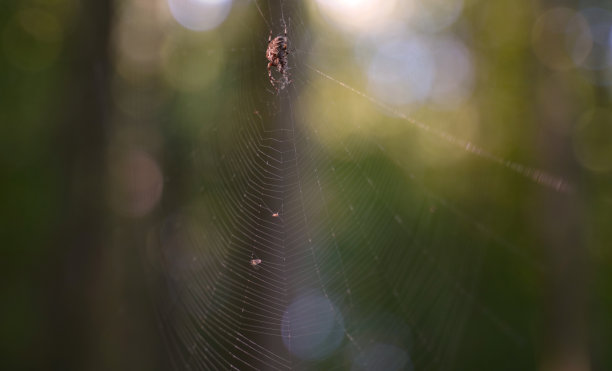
538	176
262	16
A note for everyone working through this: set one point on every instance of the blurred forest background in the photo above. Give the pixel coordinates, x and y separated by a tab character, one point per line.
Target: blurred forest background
123	122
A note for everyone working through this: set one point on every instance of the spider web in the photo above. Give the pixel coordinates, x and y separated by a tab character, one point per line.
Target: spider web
365	261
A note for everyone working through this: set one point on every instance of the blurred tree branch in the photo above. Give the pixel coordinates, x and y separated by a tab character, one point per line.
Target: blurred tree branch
82	133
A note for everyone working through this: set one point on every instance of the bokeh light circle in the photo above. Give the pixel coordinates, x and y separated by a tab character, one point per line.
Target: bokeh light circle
32	39
188	67
402	72
561	38
358	15
454	75
600	23
592	140
200	15
137	43
136	183
436	15
312	327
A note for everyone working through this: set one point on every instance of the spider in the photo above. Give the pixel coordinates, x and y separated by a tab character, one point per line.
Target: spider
277	56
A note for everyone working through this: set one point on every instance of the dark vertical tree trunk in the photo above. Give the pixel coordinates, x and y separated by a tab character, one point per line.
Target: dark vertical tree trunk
558	219
82	132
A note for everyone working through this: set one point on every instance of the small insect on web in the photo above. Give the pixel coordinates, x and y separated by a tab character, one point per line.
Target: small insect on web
277	53
254	262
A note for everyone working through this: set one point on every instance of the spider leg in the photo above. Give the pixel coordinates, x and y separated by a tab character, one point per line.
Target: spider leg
270	36
272	79
286	26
